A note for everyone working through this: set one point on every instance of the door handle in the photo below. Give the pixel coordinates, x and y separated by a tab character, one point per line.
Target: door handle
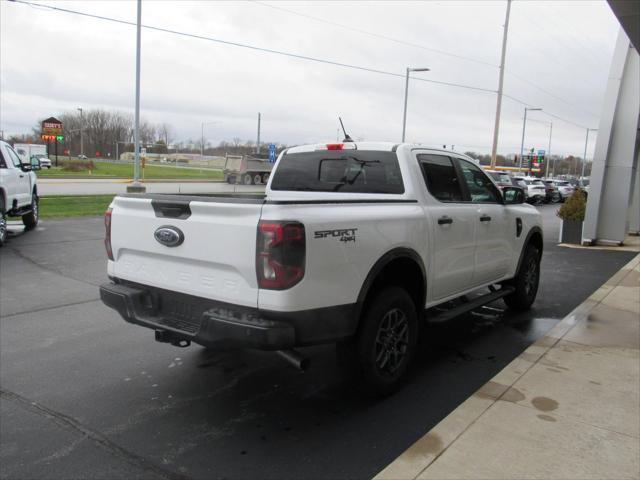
21	176
485	218
445	220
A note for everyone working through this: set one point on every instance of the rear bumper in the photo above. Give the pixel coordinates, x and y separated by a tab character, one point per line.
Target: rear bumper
212	323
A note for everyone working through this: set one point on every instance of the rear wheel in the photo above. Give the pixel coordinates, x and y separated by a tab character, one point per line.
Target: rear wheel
246	179
30	220
257	179
526	281
3	223
265	178
387	340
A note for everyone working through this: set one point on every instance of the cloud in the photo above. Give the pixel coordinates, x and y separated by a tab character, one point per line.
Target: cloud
53	62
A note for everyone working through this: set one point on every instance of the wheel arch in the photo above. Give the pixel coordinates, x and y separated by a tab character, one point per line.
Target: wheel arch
400	266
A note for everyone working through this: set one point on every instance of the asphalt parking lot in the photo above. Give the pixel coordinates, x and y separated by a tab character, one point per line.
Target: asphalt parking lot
83	394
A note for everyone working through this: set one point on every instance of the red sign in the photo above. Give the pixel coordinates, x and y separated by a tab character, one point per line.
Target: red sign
51	126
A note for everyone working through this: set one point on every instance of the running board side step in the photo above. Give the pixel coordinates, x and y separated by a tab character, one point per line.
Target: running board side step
470	305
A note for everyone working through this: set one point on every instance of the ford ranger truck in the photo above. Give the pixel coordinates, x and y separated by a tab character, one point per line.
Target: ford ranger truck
351	243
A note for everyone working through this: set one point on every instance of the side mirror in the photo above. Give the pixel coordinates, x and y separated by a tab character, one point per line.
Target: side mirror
35	163
25	167
513	195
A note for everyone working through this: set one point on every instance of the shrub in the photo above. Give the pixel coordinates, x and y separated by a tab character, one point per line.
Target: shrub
77	165
574	207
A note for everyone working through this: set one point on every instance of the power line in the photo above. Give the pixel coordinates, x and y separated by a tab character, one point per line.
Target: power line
286	54
526	104
253	47
411	44
377	35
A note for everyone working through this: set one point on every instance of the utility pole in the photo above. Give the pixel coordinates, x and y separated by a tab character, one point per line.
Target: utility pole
136	186
258	141
81	134
496	128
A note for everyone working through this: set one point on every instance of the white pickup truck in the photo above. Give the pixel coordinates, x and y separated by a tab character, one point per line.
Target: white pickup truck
18	190
351	243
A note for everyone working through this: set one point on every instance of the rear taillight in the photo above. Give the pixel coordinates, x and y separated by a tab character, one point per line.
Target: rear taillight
107	233
280	254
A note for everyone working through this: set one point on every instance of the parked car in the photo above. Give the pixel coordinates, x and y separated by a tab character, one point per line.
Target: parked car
349	244
564	188
82	157
502	179
551	191
536	192
18	190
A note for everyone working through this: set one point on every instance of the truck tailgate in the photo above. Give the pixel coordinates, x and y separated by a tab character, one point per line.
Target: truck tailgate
216	260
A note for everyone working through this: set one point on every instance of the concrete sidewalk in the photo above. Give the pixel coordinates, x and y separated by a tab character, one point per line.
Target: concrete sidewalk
568	407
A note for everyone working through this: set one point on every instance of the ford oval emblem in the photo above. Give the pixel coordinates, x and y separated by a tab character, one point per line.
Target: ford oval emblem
169	236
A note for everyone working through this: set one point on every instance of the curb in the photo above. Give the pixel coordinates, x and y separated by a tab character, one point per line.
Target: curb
419	456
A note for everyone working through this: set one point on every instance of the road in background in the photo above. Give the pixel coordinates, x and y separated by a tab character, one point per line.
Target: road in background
84	394
59	186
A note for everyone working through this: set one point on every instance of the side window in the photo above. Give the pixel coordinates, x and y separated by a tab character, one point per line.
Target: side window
15	159
481	189
441	178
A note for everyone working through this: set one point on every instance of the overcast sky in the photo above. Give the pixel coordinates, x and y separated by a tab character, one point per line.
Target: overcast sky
52	62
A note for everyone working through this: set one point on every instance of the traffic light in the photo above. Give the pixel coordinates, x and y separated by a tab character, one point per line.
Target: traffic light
59	137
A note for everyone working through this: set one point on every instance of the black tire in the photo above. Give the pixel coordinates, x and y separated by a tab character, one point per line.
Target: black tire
525	282
30	220
246	179
231	179
257	179
265	177
386	342
3	222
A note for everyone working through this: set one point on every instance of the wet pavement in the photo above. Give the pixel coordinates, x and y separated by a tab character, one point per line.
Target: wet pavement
83	394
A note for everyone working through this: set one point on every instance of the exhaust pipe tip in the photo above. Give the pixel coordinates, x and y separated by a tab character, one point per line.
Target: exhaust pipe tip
296	359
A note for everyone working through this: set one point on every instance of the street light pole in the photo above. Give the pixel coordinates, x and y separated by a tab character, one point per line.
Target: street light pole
258	141
136	186
524	126
406	96
549	150
584	158
202	137
81	135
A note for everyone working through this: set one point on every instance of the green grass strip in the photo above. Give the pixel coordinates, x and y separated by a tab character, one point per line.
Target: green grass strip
80	206
125	170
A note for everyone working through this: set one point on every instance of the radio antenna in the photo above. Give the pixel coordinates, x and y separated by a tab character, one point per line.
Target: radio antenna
347	138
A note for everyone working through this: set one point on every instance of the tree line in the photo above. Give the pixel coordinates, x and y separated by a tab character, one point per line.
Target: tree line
102	130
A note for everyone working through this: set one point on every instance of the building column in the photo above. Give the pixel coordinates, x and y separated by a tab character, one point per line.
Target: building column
612	206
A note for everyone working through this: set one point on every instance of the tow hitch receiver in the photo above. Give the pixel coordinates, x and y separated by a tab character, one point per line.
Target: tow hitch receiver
163	336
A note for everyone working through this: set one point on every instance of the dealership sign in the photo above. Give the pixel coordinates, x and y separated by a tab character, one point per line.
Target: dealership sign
51	129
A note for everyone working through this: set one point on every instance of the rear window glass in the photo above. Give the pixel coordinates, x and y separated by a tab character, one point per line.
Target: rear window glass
339	171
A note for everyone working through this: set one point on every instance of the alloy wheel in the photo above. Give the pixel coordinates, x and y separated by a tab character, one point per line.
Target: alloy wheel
392	341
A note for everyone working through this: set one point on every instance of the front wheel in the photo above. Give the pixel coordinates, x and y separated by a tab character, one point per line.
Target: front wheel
30	220
387	340
526	281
